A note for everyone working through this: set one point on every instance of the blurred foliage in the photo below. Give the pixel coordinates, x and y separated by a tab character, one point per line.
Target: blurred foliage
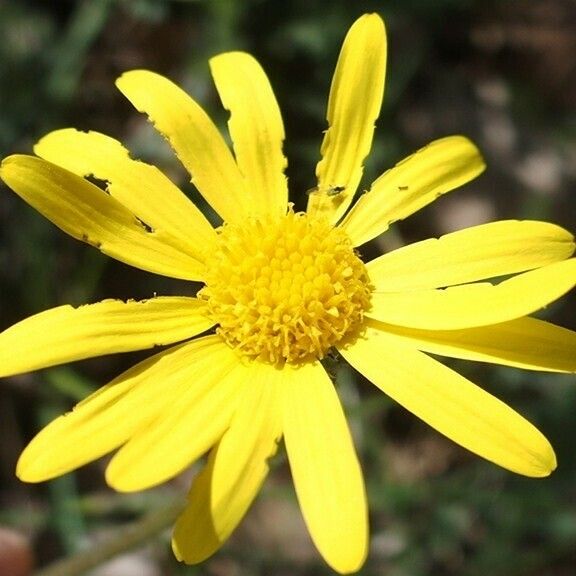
501	72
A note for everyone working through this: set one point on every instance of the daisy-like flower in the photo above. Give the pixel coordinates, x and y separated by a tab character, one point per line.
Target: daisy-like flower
281	289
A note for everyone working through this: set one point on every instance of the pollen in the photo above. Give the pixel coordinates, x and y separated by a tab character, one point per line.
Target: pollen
285	289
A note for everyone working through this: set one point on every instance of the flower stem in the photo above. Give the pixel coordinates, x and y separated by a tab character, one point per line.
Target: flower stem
127	538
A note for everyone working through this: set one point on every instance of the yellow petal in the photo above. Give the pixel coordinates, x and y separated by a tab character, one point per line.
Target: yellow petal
353	107
471	305
89	214
142	188
65	334
188	428
256	129
413	183
106	419
237	467
325	468
476	253
194	138
451	404
526	343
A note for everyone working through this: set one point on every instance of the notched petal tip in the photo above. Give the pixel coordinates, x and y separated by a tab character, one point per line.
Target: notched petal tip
544	462
475	154
368	19
133	74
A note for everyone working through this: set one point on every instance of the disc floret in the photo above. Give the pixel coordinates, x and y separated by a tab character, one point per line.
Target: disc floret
285	289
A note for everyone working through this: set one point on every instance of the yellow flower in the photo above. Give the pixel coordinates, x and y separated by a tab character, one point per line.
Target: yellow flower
281	289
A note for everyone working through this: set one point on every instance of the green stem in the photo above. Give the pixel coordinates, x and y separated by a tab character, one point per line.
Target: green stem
127	538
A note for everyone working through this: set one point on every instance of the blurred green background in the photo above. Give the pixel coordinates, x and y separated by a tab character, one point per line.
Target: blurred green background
501	72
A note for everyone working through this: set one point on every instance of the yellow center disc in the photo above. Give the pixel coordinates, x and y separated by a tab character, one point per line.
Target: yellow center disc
285	289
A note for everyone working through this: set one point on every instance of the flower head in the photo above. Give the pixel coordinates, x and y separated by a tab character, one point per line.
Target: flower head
281	289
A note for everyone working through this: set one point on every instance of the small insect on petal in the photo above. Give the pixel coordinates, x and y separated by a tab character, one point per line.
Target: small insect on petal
328	190
335	190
